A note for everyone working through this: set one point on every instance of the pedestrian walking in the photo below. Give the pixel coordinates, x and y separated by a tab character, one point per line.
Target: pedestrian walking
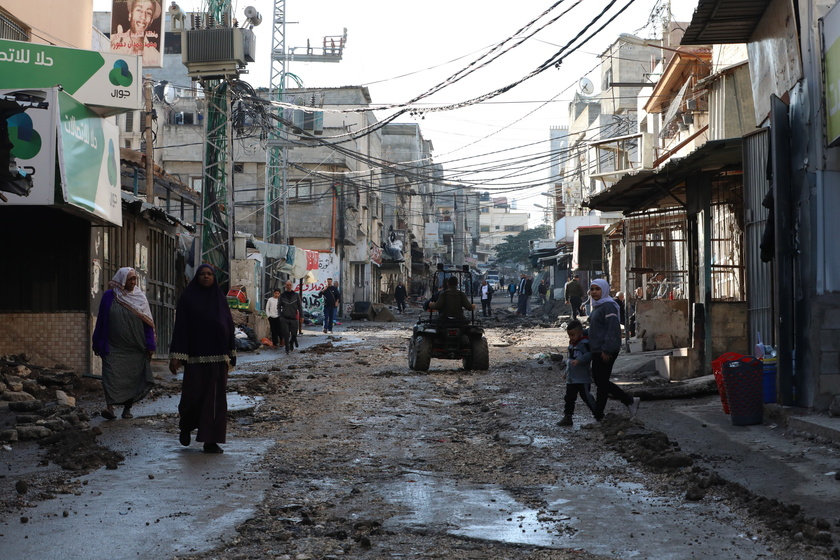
524	295
400	296
203	342
486	294
573	292
291	310
272	310
511	290
332	299
578	372
124	337
605	343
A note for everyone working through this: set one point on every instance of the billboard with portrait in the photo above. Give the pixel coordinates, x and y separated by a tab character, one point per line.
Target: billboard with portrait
137	28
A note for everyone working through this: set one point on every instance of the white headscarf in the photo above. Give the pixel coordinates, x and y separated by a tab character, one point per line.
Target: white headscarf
134	300
605	293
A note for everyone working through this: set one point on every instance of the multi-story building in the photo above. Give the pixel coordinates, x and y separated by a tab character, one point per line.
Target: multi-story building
88	219
497	221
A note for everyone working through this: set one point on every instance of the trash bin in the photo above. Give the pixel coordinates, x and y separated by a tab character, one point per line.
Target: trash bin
743	379
769	384
717	366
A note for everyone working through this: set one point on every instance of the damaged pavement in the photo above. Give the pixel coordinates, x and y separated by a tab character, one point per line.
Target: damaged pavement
340	450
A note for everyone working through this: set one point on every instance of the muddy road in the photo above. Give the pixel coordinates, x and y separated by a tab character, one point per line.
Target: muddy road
360	457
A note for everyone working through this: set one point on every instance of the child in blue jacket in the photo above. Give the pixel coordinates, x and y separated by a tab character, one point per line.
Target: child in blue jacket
578	372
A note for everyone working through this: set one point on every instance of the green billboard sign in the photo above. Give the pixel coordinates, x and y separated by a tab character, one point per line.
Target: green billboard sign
88	157
109	83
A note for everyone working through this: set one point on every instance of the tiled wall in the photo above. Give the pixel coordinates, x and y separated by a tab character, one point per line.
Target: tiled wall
48	338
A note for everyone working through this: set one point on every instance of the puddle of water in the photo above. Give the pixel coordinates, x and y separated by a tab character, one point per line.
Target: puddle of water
621	519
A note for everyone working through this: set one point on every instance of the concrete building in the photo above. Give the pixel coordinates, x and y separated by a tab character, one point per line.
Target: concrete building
792	269
81	212
497	220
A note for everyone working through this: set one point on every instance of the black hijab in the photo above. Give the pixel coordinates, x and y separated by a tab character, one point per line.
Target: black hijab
203	324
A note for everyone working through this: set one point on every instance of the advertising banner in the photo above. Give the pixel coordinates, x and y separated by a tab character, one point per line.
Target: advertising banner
137	29
110	82
88	157
327	268
831	56
31	134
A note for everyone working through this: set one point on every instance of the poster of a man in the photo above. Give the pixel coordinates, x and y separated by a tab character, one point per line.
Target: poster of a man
136	28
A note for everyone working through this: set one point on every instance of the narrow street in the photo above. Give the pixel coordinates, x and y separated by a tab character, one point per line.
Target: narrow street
340	450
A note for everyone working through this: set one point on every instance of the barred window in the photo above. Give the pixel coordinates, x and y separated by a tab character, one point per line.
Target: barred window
10	29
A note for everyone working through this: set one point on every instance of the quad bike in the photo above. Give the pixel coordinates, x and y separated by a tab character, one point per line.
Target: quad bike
449	338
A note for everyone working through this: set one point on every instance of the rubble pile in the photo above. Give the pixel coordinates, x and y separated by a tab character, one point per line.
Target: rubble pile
40	401
40	406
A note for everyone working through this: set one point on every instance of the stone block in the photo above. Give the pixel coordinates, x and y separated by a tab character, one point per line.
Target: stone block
27	418
834	408
663	341
675	368
8	436
54	424
64	400
31	431
15	386
26	406
22	371
16	396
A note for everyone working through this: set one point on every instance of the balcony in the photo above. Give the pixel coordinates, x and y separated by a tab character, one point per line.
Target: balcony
615	157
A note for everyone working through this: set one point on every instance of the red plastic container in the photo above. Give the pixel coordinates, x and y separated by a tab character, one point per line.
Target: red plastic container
717	369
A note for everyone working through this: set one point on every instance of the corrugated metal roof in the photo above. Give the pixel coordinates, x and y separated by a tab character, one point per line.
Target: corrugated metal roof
717	22
664	187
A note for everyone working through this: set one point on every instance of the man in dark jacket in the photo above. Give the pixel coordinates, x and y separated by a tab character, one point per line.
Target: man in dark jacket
400	295
451	302
574	295
332	299
524	295
291	310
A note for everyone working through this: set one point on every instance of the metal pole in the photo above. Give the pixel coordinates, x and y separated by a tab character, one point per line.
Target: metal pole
149	138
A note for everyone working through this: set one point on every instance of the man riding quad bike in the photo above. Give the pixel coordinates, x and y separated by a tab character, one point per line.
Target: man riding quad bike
446	334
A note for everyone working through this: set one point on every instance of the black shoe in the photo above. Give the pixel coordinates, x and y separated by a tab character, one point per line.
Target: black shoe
184	438
213	448
108	415
296	344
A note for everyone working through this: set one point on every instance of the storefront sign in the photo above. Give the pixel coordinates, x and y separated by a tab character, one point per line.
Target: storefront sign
110	83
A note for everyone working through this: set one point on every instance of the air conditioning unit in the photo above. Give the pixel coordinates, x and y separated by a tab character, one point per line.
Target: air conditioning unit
217	52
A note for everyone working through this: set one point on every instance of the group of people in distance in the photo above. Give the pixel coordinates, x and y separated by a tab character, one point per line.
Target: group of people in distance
285	313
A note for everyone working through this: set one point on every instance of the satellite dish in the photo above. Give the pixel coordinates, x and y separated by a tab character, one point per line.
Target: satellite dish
586	86
168	94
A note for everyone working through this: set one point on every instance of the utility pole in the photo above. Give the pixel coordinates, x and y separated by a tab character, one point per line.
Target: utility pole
459	236
148	135
215	52
276	200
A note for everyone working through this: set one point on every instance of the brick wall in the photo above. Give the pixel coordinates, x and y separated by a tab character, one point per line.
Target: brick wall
48	338
729	328
825	348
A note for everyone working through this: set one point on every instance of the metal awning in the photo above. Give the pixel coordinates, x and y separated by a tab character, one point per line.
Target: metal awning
665	187
718	22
